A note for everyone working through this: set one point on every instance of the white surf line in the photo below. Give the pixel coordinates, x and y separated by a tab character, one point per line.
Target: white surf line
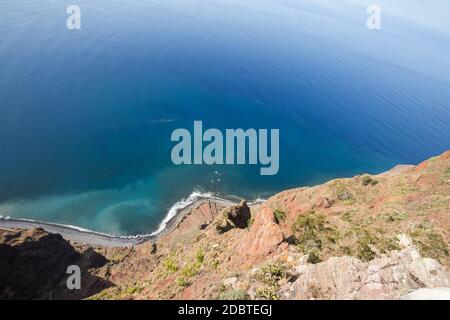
91	237
73	233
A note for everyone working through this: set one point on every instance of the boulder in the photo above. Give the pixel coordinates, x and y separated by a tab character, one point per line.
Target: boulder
235	217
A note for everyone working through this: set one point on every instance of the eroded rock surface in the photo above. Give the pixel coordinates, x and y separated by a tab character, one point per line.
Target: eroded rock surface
387	277
265	235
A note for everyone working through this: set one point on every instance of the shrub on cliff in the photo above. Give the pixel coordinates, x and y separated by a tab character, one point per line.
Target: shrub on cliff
268	293
367	180
271	273
182	282
200	256
313	233
279	216
430	243
170	264
234	295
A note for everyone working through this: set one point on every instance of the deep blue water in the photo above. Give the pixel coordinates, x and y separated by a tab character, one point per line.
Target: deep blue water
86	115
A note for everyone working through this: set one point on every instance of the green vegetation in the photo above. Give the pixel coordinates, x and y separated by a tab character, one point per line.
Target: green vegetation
117	257
395	216
268	293
346	250
115	293
341	193
364	247
132	290
182	282
170	264
191	269
313	233
279	216
314	258
430	243
369	244
347	217
107	294
234	295
271	273
388	244
214	264
368	181
200	256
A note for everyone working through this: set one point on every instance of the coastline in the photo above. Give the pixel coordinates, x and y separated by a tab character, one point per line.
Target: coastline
385	210
174	217
94	238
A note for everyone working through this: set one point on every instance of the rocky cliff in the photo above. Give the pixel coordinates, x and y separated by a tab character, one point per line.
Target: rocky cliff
367	237
33	265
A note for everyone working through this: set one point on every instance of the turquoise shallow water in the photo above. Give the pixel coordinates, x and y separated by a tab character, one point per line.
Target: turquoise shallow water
86	116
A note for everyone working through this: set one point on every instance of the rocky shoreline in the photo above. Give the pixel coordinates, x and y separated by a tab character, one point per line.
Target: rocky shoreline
93	238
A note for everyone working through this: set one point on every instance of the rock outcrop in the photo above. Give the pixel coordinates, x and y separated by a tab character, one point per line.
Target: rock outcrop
33	265
235	217
25	261
387	277
264	237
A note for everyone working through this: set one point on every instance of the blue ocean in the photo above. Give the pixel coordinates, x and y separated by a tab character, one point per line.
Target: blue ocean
86	115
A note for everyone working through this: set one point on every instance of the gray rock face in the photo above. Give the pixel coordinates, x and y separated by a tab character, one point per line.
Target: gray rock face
387	277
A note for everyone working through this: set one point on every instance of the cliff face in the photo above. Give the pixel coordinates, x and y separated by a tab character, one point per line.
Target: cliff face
33	265
360	238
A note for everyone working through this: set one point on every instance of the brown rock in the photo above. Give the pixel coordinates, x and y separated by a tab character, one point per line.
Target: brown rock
323	202
235	217
265	235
